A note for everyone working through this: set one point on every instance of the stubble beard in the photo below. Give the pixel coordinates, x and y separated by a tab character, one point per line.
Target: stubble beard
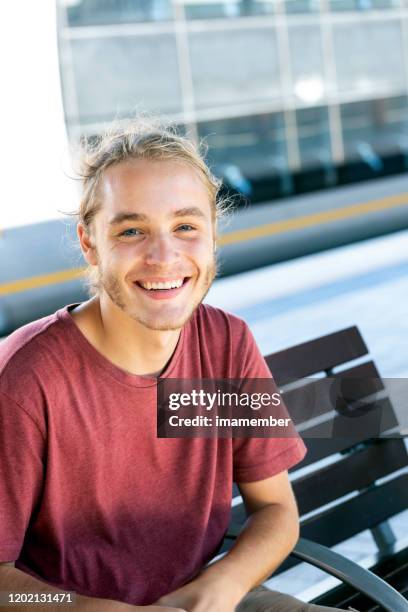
109	283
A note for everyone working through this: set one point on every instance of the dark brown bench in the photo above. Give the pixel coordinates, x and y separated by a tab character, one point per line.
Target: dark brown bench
363	451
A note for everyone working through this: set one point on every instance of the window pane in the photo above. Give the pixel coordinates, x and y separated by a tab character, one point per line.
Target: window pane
302	6
369	55
363	5
227	9
307	63
234	67
314	137
255	145
115	76
98	12
378	127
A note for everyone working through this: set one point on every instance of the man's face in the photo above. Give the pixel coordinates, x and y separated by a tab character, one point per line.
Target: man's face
155	226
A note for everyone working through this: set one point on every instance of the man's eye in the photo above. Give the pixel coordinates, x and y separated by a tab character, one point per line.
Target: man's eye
185	227
130	232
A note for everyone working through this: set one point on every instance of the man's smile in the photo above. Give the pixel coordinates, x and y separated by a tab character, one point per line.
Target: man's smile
160	289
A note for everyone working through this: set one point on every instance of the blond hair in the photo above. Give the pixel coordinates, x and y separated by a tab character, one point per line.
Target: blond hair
141	139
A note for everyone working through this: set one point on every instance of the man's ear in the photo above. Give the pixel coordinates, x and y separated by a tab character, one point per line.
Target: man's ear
87	245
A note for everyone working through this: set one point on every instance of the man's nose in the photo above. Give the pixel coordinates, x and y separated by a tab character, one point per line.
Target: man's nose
161	250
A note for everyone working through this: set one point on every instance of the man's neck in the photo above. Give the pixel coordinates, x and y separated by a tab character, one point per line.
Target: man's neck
124	341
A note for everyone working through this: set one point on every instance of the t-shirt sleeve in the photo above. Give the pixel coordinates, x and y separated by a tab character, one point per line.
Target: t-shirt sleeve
260	458
21	474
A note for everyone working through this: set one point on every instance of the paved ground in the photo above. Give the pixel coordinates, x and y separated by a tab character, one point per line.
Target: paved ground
365	284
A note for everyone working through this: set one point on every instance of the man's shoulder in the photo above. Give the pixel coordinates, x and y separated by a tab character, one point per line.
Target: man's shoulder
220	321
230	344
24	348
221	329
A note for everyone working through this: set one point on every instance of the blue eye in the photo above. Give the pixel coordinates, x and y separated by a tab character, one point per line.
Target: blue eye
130	232
185	227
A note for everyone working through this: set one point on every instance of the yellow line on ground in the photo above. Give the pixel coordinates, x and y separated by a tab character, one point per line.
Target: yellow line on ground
40	281
287	225
230	238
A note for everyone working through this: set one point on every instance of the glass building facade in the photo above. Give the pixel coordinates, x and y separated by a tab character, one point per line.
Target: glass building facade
290	95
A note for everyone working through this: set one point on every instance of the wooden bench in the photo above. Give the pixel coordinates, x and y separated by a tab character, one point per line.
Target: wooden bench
358	460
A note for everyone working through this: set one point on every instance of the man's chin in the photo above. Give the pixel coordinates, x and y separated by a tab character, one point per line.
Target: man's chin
166	320
161	326
162	323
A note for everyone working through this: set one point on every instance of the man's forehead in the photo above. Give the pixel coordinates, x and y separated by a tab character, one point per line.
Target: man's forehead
146	173
131	188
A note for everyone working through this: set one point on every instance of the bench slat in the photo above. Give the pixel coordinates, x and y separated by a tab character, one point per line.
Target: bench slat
333	436
312	399
352	473
359	513
316	355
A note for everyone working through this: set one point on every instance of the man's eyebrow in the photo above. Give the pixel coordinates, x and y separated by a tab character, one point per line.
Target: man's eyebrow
189	211
128	216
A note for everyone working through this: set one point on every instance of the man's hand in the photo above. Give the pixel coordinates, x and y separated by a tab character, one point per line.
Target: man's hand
205	594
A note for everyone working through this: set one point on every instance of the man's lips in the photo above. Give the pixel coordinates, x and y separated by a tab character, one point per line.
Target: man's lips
162	294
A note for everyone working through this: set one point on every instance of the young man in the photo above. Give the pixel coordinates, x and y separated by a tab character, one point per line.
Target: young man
91	500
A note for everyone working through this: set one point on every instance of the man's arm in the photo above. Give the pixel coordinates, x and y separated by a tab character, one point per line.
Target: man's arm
14	580
269	535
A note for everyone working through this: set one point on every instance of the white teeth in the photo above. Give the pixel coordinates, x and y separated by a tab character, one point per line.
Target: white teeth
174	284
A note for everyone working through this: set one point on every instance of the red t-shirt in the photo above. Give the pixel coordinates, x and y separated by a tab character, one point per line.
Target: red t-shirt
90	499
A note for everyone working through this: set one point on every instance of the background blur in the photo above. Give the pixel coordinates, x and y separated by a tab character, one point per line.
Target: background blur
292	94
303	105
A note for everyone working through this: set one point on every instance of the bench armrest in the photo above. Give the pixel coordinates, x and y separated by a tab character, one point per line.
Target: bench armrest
350	572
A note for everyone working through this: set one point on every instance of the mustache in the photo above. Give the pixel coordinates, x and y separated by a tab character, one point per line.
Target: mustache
160	274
